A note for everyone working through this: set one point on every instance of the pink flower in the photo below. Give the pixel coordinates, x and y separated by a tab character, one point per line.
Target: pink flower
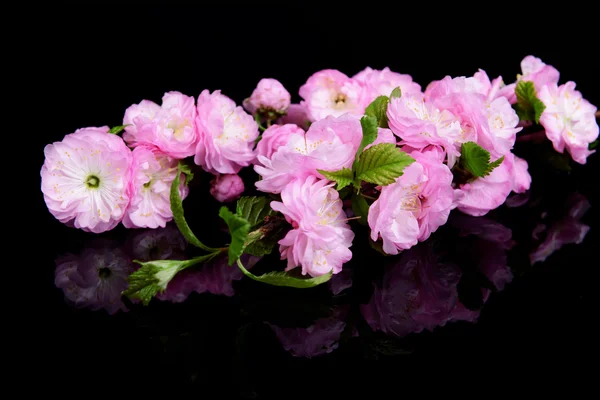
226	188
295	114
274	137
227	134
435	194
420	124
330	92
417	292
329	144
538	72
393	216
95	278
169	127
568	120
268	95
490	192
382	82
321	236
413	207
85	179
150	188
486	117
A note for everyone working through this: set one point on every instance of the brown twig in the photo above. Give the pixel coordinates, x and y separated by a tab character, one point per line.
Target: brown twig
597	114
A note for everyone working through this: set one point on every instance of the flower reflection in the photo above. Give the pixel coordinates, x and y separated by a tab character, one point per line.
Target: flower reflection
215	277
318	339
157	244
567	230
420	290
95	278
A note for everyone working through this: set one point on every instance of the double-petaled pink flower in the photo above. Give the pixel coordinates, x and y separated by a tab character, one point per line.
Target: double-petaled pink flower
152	174
331	92
320	239
85	179
169	127
226	134
383	82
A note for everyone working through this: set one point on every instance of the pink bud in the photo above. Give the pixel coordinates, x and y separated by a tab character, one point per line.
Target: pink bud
226	188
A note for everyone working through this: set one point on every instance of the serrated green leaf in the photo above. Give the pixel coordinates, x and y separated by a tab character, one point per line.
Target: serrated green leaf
282	278
360	207
178	217
397	92
238	229
254	209
378	110
382	164
369	133
154	276
187	170
529	107
476	160
343	177
115	130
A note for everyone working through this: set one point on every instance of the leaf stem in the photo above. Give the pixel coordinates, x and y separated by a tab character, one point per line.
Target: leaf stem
367	196
257	119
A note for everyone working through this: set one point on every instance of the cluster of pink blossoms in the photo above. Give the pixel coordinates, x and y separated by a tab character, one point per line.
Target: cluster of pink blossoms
93	179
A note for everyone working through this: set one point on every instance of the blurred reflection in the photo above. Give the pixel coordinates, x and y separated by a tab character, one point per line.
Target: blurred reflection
421	289
95	278
214	277
157	244
320	338
566	230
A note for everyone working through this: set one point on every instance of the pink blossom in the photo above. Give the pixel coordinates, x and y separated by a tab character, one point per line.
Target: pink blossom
569	120
276	136
490	192
226	134
150	188
329	144
226	188
268	95
417	292
321	236
420	124
295	114
536	71
330	92
85	179
382	82
413	207
169	127
95	278
486	117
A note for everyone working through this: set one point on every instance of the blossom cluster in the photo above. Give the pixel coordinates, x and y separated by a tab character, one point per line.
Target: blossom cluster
376	147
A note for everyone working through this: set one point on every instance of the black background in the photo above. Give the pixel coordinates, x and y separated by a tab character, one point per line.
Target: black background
89	63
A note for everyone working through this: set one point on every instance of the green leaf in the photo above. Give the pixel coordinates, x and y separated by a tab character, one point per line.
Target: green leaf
397	92
378	110
360	207
476	160
369	132
254	209
238	229
593	145
187	170
343	177
281	278
154	276
115	130
182	225
262	241
529	107
382	164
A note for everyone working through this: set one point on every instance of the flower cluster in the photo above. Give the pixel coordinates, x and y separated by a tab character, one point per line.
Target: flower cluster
375	147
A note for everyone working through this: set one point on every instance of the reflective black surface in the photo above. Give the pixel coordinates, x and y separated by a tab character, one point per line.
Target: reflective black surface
505	298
